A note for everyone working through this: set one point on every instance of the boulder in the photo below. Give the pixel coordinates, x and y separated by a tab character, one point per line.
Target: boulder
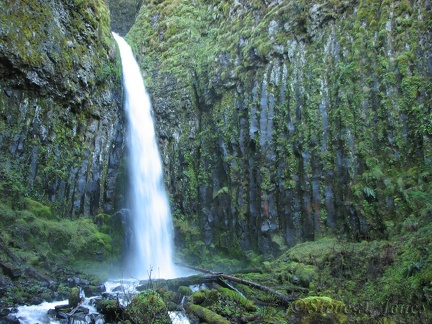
10	270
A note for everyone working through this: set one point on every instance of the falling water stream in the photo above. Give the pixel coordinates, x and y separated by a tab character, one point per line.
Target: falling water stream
151	254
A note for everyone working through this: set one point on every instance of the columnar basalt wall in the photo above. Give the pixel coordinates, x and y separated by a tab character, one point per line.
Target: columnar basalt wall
61	119
282	120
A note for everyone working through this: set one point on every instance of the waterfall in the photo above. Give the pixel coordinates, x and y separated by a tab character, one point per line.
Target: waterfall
151	254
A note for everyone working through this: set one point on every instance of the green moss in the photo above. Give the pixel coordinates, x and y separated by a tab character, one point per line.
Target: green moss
7	215
37	208
147	307
103	221
247	304
184	291
355	280
111	309
199	297
11	184
225	302
107	306
74	297
40	237
206	315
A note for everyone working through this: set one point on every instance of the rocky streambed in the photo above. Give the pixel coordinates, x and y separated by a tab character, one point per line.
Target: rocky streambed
28	291
110	302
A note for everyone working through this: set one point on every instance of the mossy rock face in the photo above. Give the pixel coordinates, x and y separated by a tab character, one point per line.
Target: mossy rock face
148	307
60	107
123	14
7	215
307	122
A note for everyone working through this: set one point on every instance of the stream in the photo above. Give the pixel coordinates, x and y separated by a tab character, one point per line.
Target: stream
45	313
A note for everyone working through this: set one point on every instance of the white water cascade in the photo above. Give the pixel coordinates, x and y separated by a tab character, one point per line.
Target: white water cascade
150	211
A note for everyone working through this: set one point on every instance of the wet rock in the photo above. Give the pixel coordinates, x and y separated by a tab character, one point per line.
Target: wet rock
118	289
75	281
62	315
110	308
10	270
4	312
63	307
9	319
5	282
52	313
91	290
36	300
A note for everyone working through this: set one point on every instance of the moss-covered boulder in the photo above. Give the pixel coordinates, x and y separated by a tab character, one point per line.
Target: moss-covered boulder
74	297
148	307
111	309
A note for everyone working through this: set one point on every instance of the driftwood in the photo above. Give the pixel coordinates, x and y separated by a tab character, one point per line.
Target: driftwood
283	299
77	307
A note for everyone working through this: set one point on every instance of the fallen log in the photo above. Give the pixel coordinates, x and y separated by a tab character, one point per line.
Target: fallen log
283	299
73	311
205	314
173	284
